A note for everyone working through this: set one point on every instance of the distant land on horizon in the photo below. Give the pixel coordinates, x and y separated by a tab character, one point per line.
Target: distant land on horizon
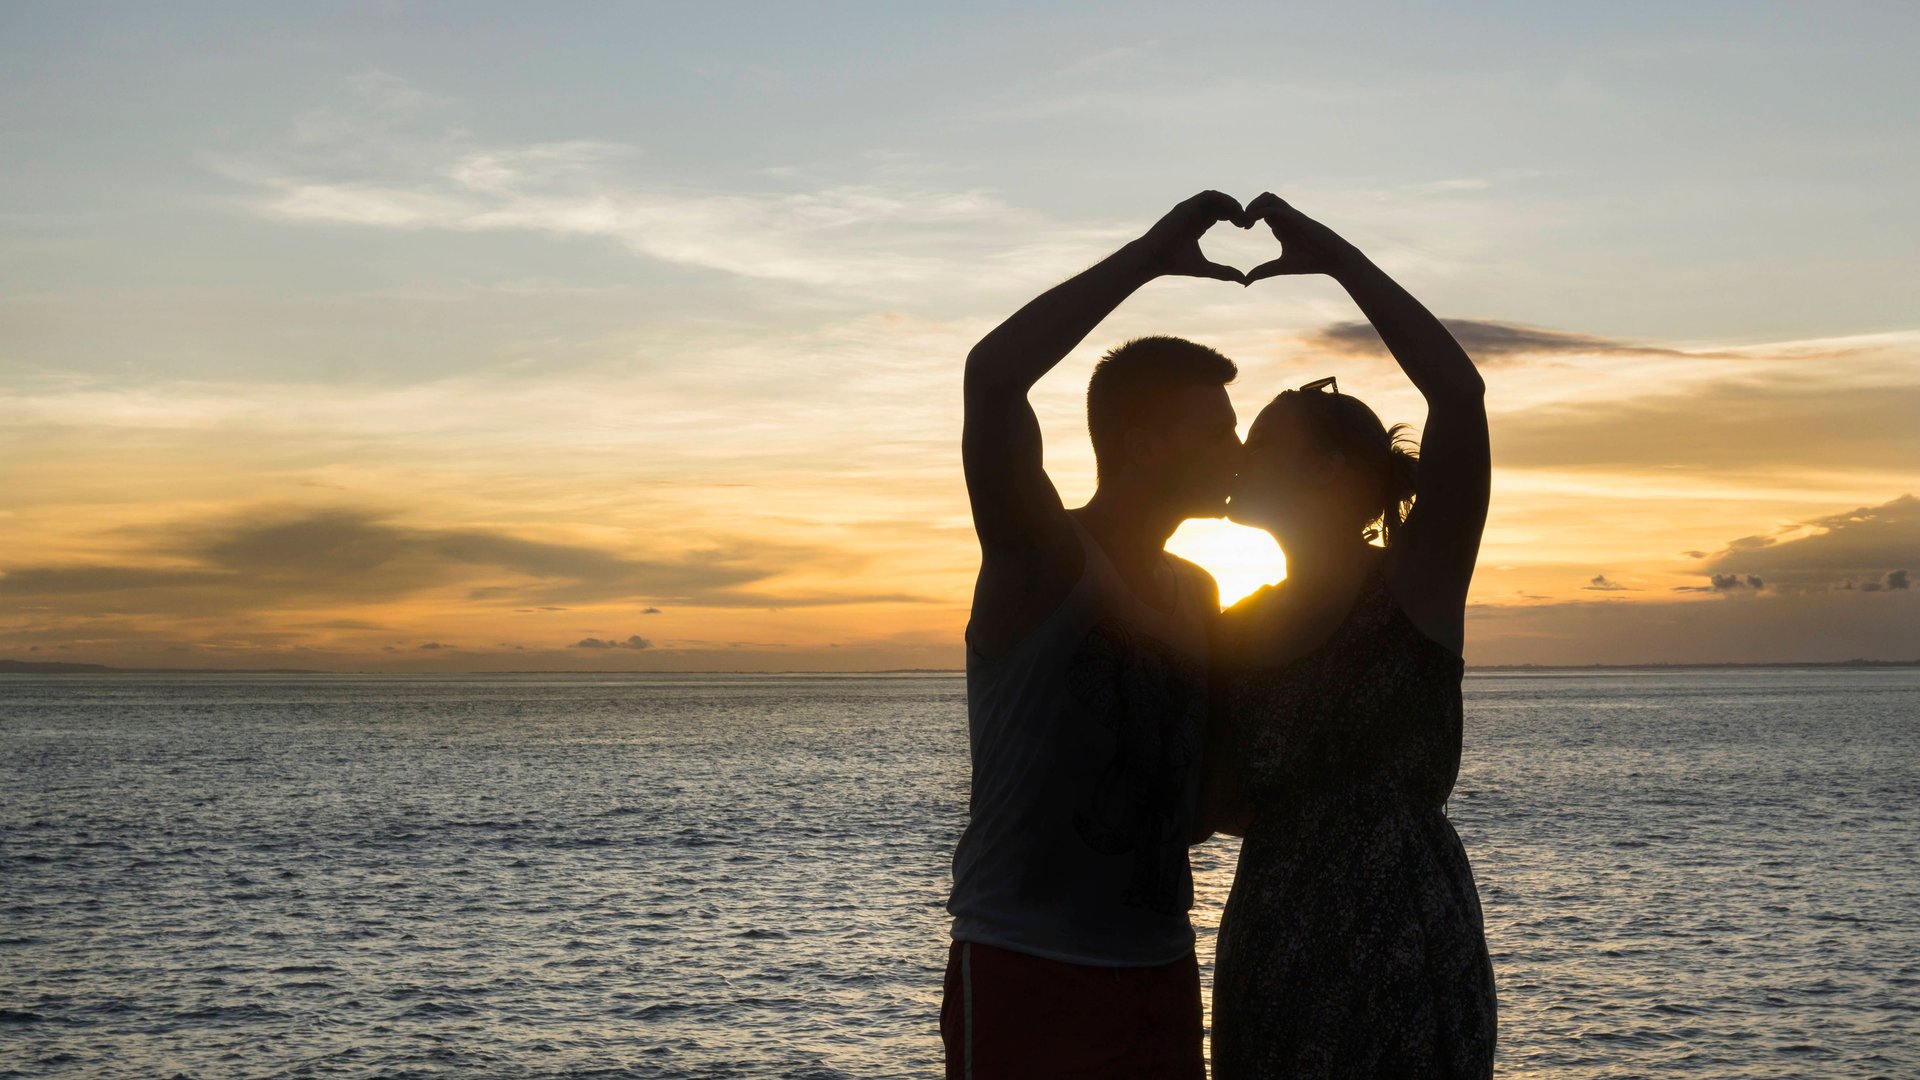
56	667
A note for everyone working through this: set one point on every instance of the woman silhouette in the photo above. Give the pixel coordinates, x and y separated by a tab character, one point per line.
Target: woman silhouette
1351	944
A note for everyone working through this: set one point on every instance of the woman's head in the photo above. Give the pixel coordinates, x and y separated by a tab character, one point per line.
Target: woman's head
1320	463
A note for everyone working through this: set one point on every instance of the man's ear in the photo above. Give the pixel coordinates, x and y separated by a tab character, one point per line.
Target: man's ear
1142	446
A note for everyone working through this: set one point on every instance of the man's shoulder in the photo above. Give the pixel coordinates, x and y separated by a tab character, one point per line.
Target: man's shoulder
1016	591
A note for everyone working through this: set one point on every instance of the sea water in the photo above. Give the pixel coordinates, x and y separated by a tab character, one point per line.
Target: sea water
1684	872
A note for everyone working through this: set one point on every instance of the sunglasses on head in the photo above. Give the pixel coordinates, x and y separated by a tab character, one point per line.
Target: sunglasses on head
1328	383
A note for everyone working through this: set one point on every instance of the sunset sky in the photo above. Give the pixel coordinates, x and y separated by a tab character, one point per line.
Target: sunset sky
452	337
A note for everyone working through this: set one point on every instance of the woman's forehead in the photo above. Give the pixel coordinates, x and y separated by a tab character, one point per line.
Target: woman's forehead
1276	417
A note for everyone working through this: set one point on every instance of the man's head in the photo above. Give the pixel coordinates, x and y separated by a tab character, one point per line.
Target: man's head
1160	418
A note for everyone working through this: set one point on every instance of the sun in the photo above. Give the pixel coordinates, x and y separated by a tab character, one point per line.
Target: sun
1239	558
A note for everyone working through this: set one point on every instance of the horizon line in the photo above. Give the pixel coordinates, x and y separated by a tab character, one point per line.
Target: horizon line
9	666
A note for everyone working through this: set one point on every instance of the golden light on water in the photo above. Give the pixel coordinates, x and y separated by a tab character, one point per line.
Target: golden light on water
1240	559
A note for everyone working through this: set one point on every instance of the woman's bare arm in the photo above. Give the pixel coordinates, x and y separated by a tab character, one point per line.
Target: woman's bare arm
1432	574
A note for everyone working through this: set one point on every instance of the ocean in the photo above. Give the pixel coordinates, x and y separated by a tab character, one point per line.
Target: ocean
1709	873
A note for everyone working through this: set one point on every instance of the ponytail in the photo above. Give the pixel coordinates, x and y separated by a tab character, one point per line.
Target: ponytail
1340	422
1401	482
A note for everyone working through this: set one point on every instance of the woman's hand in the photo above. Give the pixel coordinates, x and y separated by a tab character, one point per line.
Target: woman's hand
1172	246
1306	246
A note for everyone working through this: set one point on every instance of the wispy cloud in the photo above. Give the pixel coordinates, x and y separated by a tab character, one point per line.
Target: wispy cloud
389	160
277	560
817	238
1493	343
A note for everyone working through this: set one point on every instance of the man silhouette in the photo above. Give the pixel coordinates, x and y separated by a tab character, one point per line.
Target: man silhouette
1072	954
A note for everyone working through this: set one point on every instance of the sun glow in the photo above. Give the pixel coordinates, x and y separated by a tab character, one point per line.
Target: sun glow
1239	558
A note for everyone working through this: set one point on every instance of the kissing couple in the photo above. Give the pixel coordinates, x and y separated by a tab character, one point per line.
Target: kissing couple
1117	716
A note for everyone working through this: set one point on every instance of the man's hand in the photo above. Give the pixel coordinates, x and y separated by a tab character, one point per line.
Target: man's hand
1172	246
1306	246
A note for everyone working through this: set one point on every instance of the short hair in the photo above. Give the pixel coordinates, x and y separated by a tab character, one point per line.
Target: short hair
1130	384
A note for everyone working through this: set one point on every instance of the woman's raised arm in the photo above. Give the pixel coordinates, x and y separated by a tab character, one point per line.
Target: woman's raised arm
1442	536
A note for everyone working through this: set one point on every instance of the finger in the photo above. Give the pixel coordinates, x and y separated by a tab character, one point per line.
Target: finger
1217	205
1220	272
1263	203
1277	268
1277	211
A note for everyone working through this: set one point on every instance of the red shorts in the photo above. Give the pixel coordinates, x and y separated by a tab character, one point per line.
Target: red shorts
1008	1014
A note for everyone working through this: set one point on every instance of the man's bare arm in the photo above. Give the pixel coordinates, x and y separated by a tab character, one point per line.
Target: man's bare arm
1015	506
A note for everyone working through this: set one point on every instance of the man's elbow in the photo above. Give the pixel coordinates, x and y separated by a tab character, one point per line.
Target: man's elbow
980	370
987	379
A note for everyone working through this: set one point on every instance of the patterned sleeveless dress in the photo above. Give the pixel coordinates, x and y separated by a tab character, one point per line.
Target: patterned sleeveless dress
1352	943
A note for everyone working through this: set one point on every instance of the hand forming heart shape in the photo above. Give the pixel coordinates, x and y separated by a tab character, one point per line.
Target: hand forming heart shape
1306	246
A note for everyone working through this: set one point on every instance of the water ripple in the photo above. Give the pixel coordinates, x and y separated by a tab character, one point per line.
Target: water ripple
1683	873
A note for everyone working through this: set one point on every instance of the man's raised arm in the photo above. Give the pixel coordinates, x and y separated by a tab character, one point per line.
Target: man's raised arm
1015	506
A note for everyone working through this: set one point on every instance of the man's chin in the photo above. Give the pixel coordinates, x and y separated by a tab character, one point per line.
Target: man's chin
1211	512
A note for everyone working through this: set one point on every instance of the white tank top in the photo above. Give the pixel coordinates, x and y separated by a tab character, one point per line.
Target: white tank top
1086	745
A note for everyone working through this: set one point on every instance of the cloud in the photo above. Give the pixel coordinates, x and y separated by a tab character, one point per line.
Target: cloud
1492	343
1601	584
396	158
389	160
436	645
651	611
633	642
816	238
1863	547
1754	425
273	558
1765	627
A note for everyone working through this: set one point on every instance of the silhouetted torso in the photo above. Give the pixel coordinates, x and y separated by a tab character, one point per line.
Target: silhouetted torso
1086	741
1352	942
